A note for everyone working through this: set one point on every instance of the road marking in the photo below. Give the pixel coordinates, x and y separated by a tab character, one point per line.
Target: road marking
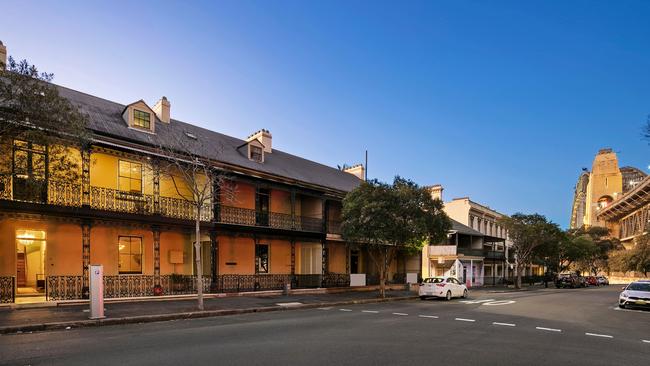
500	302
599	335
345	310
549	329
324	308
289	304
465	320
644	341
400	314
428	316
476	301
369	311
504	324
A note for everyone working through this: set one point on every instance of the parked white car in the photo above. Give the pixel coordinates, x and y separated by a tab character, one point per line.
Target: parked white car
446	287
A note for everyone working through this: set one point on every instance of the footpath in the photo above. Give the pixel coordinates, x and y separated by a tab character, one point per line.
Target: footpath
72	315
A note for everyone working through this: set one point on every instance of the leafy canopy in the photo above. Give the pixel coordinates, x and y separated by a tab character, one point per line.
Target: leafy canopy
401	215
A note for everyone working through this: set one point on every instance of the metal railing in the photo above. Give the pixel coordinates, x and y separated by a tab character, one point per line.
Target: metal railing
275	220
183	209
126	286
7	289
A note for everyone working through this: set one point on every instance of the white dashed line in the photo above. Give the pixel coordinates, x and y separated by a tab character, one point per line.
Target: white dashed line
345	310
504	324
644	341
400	314
465	320
324	308
599	335
369	311
428	316
549	329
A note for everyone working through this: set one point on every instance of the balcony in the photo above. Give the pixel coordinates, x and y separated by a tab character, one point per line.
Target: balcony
442	250
453	250
107	199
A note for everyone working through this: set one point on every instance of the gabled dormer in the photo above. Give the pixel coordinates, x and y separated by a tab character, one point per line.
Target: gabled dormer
257	145
140	116
255	151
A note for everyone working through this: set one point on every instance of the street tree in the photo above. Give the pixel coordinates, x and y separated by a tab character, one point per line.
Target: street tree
636	259
196	181
529	234
32	111
596	256
392	218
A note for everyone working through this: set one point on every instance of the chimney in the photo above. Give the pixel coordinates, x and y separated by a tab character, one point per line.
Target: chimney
162	108
436	191
263	136
3	56
357	170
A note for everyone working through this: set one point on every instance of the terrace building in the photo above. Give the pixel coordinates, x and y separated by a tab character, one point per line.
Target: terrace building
280	226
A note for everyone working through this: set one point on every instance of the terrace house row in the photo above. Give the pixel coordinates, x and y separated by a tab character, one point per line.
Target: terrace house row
279	226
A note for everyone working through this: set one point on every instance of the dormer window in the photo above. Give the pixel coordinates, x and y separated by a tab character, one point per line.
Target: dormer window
256	154
141	119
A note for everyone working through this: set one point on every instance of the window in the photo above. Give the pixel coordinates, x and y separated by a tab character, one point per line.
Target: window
29	160
256	154
130	254
141	119
130	177
261	258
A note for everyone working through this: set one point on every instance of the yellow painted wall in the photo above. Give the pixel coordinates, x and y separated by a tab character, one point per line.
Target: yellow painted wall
281	201
239	250
104	172
280	256
104	247
178	241
240	195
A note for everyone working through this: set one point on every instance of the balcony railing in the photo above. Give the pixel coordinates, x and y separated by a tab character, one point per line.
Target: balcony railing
250	217
442	250
7	289
70	194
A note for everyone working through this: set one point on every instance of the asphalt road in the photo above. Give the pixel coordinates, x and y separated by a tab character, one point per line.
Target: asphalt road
561	327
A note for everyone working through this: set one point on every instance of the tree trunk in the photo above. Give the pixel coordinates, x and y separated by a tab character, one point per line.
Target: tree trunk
199	267
518	273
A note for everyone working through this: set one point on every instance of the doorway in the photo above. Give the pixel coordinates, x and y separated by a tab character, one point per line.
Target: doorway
354	261
30	266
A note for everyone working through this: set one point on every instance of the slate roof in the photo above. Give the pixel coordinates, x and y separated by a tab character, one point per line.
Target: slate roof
464	229
106	119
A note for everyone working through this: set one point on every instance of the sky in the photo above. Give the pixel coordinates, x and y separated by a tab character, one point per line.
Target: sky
501	101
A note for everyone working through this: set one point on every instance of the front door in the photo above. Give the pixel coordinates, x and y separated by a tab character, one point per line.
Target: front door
20	270
354	261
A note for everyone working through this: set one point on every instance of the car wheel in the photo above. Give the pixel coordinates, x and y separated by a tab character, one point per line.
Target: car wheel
622	306
423	297
464	294
448	296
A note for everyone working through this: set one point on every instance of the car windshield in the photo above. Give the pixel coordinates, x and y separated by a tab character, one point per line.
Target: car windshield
434	280
638	286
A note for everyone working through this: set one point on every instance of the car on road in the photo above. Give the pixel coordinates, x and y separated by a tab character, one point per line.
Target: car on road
445	287
567	280
602	280
592	281
636	294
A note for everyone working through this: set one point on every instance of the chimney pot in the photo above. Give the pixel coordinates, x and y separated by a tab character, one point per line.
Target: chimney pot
436	191
264	137
162	109
357	170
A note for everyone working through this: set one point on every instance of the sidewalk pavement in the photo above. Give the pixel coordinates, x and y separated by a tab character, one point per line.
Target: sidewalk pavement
63	316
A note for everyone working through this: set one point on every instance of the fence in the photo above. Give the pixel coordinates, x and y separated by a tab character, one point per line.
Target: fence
7	289
125	286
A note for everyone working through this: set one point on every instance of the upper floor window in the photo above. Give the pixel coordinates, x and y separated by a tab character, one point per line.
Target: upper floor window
142	119
257	154
130	254
130	176
29	160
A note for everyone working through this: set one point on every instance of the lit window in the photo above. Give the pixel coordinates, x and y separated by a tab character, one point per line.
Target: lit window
261	258
256	154
130	177
130	254
141	119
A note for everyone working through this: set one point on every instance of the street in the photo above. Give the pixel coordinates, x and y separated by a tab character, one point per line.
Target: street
567	327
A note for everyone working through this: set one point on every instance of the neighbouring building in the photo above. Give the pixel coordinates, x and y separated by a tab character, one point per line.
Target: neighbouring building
600	187
280	226
476	250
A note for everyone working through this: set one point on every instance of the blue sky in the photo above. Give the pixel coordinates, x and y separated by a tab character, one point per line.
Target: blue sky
504	102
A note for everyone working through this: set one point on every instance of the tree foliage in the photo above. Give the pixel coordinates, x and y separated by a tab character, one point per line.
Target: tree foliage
530	234
389	218
31	109
636	259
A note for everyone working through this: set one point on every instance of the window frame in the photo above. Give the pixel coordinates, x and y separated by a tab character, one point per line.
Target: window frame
30	150
139	121
259	268
129	178
130	254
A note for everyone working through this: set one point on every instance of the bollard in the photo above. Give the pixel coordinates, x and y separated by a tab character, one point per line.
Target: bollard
96	292
286	289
